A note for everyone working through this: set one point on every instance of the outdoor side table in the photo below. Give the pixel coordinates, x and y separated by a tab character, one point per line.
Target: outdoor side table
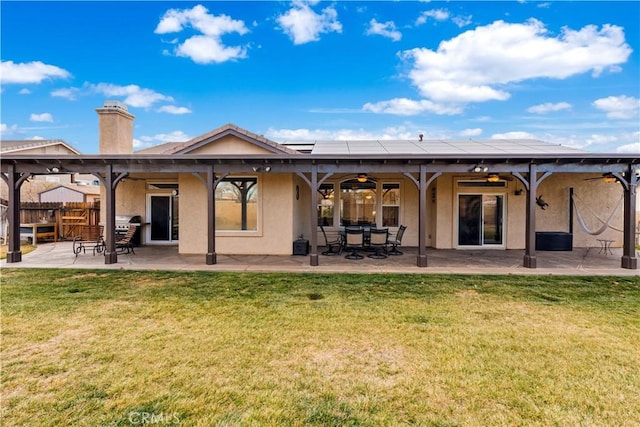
605	246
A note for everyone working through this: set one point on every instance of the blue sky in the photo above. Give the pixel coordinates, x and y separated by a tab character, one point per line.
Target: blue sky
564	72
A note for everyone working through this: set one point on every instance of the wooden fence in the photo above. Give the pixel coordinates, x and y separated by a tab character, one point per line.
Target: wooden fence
69	218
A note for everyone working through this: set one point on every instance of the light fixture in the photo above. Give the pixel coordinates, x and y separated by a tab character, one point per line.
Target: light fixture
53	170
609	178
493	177
478	168
362	177
262	168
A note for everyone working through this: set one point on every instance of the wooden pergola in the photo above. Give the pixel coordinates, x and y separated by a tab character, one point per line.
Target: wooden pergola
314	170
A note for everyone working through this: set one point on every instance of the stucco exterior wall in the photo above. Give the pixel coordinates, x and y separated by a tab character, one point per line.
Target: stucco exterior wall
594	198
599	196
445	211
300	216
230	144
274	235
283	217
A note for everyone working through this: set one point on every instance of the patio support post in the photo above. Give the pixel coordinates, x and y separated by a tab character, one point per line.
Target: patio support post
530	260
14	182
211	217
313	238
422	217
629	259
110	253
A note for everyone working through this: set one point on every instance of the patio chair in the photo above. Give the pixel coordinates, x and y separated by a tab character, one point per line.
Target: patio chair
354	241
334	246
90	238
394	243
124	245
379	242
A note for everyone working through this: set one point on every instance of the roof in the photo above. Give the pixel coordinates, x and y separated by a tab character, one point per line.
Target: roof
222	131
84	189
433	147
15	146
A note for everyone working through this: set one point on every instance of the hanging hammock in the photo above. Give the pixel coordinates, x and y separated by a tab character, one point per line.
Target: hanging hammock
605	224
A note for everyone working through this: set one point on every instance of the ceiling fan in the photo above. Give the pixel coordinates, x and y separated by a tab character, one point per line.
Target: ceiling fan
606	177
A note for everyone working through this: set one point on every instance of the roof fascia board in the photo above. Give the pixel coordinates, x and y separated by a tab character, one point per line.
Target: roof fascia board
237	134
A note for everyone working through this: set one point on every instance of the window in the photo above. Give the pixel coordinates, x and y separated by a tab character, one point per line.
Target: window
357	202
237	204
390	205
325	205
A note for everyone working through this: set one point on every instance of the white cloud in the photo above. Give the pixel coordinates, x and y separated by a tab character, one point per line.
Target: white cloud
303	25
437	14
476	65
338	135
389	133
467	133
24	91
43	117
513	135
408	107
462	21
173	109
549	107
70	93
633	148
134	95
30	72
207	47
5	129
386	29
161	138
619	107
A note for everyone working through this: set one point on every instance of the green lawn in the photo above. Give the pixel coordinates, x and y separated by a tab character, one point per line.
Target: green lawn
156	348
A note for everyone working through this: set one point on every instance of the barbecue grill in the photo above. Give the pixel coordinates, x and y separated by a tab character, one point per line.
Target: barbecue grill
122	225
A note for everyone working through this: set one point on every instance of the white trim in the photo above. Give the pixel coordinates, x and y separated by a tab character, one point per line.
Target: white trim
148	240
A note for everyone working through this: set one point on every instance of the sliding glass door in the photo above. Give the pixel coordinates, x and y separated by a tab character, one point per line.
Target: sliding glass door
480	219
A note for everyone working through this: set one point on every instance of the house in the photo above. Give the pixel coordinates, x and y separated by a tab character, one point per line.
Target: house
31	190
235	192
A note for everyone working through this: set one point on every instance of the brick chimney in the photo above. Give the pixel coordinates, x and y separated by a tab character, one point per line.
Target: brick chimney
115	128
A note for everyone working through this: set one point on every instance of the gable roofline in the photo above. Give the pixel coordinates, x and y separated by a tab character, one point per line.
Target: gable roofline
89	190
15	145
231	129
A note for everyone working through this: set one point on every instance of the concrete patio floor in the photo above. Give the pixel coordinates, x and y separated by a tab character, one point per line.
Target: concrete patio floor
580	261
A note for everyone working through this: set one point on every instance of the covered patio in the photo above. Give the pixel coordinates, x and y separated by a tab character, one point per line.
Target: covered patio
314	170
580	261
